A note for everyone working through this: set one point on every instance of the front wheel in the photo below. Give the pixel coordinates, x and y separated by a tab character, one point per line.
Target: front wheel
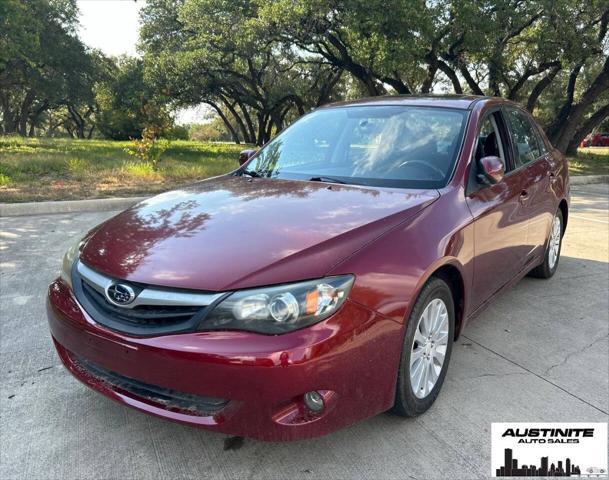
552	255
426	351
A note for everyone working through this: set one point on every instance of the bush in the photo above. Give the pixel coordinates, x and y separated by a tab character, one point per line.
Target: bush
149	149
77	165
177	132
4	180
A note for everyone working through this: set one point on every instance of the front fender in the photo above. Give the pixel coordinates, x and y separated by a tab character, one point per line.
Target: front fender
392	270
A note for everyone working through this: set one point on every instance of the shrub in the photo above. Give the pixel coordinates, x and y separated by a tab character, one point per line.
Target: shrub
149	148
177	132
4	180
77	165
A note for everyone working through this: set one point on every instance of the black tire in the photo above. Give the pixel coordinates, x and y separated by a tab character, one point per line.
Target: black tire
545	270
407	404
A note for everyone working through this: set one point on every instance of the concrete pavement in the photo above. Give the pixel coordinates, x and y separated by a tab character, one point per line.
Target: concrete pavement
539	353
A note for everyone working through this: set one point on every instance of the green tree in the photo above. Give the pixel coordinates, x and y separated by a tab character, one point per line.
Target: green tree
511	48
127	105
43	64
217	52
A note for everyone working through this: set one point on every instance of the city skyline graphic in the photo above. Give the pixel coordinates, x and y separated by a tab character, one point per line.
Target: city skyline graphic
510	468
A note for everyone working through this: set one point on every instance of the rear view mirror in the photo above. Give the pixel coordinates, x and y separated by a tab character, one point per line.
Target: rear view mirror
245	155
491	170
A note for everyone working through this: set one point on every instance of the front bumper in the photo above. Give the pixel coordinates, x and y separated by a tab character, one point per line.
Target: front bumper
351	358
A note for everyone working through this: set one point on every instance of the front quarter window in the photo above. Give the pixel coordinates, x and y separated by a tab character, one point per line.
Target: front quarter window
394	146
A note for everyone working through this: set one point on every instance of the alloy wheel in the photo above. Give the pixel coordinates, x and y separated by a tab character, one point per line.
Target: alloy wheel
429	348
554	243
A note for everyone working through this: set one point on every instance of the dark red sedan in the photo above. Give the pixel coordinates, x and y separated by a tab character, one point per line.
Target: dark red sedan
326	279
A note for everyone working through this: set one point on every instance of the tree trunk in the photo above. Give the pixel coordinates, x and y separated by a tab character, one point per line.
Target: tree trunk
554	129
248	121
261	139
35	116
396	83
227	124
476	90
327	87
540	87
590	124
8	119
565	128
452	76
432	68
237	118
25	112
493	77
277	120
79	121
346	62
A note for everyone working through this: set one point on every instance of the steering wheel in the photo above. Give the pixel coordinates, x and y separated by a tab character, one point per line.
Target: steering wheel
429	166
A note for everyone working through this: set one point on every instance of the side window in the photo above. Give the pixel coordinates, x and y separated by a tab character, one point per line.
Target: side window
489	140
524	137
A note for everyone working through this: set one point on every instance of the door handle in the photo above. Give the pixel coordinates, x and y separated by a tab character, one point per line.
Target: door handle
524	195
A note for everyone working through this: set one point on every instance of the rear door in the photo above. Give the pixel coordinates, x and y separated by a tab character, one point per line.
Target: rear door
532	157
500	221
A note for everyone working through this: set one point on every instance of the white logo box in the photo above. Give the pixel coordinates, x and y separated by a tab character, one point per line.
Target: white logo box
549	449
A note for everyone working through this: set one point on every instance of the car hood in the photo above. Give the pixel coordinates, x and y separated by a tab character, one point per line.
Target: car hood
235	232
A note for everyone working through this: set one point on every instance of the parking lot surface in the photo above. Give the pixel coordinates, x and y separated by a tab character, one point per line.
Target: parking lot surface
538	353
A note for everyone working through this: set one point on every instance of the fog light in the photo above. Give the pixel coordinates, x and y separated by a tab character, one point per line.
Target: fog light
314	401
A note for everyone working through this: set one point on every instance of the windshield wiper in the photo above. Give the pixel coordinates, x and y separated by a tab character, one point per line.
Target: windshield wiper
326	180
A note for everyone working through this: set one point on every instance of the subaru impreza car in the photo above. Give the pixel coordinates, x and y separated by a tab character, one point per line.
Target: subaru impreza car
324	280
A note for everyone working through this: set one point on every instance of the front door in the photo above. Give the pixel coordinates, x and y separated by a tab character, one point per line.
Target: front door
500	219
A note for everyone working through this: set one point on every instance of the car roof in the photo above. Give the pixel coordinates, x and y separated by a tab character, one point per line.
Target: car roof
461	102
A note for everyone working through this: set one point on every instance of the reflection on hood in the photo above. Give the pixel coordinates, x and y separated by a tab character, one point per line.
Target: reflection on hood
232	232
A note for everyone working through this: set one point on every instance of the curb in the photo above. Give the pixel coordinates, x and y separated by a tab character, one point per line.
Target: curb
588	179
68	206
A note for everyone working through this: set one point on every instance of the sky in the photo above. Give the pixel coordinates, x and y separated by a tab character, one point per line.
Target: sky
112	26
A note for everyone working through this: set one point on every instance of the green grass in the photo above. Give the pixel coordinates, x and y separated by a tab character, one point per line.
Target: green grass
33	169
590	161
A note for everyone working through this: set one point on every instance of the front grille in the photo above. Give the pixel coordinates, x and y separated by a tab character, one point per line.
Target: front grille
142	315
166	398
153	311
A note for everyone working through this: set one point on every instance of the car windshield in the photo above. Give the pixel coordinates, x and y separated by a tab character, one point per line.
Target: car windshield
392	146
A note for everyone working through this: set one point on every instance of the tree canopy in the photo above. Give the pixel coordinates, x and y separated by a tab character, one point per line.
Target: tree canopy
259	64
49	77
260	61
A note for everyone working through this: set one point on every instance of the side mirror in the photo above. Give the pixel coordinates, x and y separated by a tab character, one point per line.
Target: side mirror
245	155
491	170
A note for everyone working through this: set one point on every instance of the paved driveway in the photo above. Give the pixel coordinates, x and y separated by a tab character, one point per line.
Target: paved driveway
539	353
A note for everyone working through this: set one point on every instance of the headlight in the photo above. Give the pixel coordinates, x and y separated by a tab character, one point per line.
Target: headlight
279	309
68	261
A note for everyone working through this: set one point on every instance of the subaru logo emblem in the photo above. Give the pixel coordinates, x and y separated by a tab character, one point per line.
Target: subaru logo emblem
120	294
